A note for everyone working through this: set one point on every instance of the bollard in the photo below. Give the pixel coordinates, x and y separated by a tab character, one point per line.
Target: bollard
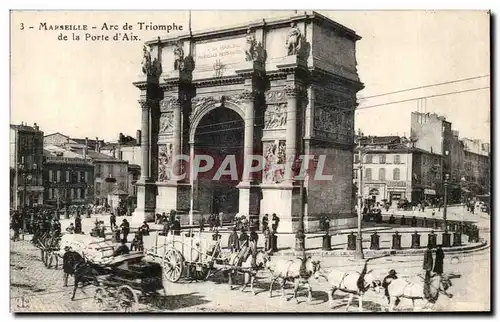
403	220
351	241
415	240
392	220
274	243
327	242
414	221
116	235
431	240
457	238
375	241
446	240
396	241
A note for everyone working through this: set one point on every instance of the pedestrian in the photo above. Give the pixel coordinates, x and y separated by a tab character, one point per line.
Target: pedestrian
78	224
177	226
202	223
252	243
144	229
233	242
157	219
243	237
166	226
112	221
70	229
428	261
219	219
122	249
265	222
387	280
275	222
267	236
438	263
125	227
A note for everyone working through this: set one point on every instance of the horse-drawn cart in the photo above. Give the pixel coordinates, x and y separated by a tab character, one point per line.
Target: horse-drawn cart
121	281
197	258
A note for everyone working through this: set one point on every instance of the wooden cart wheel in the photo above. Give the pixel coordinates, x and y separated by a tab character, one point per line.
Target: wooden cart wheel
127	299
102	299
199	274
173	265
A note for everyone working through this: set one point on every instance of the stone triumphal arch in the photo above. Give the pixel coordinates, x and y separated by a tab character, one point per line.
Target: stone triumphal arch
276	89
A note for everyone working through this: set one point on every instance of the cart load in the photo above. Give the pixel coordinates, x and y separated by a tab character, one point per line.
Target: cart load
95	249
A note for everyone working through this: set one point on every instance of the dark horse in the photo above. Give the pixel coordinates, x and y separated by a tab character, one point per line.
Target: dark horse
83	271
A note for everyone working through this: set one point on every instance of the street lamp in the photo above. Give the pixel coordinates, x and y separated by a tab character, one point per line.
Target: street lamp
446	235
359	238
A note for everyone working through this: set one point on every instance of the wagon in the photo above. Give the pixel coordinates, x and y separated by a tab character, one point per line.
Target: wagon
193	256
122	281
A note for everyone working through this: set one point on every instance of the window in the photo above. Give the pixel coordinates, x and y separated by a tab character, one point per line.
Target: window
84	193
382	159
50	193
381	174
369	158
86	177
356	158
98	188
368	174
110	169
58	175
98	171
397	159
396	173
355	173
78	193
50	175
67	175
72	193
78	178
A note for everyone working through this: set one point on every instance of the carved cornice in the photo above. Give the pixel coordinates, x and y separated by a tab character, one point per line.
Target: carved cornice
227	80
273	97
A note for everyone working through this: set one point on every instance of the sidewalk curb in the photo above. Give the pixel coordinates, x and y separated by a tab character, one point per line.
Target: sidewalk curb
384	252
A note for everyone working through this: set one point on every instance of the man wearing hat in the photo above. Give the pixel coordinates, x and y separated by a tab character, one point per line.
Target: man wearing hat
70	259
125	226
176	226
233	242
387	280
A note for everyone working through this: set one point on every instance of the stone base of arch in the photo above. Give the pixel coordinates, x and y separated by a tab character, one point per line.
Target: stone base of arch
173	196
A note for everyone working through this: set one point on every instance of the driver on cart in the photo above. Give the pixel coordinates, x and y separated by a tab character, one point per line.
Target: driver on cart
121	250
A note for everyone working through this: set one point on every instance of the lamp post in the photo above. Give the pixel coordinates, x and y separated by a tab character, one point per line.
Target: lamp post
359	238
445	206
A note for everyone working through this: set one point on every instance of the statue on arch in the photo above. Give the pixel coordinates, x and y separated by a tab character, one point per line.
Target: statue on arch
178	57
294	40
251	44
146	60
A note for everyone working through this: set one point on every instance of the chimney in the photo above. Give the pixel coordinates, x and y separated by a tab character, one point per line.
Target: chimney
85	148
138	137
96	144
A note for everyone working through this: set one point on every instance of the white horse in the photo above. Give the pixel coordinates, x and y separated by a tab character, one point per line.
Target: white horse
354	283
249	272
297	270
414	290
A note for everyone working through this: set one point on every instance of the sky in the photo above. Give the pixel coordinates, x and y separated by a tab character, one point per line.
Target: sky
84	88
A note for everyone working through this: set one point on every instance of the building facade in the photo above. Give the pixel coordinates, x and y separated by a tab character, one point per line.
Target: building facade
394	170
26	166
477	164
275	89
68	178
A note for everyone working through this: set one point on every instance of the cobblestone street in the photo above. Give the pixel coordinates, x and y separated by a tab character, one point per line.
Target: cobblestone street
35	288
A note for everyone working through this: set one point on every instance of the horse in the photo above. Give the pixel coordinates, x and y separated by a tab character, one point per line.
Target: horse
353	283
298	270
84	272
249	272
415	290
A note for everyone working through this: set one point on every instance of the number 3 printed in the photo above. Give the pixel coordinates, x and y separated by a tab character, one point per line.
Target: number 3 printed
22	26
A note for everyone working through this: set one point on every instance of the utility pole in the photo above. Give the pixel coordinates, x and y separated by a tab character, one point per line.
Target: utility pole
359	238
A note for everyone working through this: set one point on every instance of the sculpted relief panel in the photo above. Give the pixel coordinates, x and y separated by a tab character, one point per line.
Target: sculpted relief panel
333	125
275	117
167	123
275	161
165	162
